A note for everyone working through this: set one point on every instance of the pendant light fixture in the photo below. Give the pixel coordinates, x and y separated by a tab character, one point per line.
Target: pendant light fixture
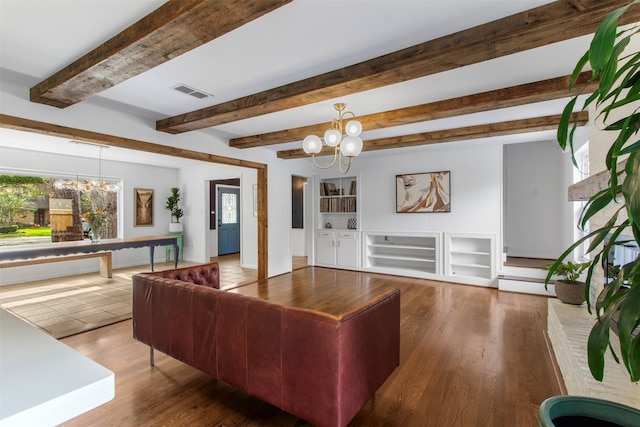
77	185
345	149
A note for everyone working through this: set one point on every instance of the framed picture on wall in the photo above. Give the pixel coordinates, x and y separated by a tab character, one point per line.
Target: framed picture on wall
423	192
143	207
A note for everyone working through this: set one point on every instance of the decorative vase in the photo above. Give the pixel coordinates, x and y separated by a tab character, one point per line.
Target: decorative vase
580	411
95	236
570	292
175	227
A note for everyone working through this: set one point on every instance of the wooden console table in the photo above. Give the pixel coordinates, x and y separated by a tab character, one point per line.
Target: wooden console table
64	251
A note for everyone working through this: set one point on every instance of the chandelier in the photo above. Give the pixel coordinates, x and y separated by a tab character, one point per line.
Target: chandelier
345	149
76	184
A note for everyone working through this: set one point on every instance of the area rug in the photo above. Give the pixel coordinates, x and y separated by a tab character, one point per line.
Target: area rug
71	305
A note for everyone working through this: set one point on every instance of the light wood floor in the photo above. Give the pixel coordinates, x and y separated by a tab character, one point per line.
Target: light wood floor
528	262
470	356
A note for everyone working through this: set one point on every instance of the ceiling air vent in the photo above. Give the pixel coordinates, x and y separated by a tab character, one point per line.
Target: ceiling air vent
188	90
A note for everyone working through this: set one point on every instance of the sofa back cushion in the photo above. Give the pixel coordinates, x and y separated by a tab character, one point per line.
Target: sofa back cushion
264	356
205	311
205	274
248	331
231	327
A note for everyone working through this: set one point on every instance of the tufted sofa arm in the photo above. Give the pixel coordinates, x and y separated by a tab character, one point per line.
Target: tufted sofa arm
205	275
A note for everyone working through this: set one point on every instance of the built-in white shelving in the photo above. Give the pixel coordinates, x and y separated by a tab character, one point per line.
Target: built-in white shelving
337	240
338	203
470	258
410	254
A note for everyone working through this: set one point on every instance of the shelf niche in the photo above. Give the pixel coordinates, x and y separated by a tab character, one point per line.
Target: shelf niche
338	203
411	254
470	257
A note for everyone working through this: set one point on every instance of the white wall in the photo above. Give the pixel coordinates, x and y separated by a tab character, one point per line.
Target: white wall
476	188
476	173
201	243
298	242
539	218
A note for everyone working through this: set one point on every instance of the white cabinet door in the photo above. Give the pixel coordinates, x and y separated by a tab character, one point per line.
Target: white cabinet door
325	248
347	249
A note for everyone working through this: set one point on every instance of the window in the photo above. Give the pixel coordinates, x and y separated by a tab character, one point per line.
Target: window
34	209
580	173
229	208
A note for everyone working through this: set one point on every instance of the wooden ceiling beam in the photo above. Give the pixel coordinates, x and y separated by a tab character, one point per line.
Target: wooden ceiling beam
18	123
550	23
544	90
174	28
577	4
536	124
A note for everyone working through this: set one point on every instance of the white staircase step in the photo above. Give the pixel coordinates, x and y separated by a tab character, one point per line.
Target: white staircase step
525	285
510	270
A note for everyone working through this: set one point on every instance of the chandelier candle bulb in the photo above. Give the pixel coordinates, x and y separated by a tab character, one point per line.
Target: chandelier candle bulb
312	144
354	128
332	137
351	146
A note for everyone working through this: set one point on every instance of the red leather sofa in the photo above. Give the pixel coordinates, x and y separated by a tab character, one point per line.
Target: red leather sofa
319	367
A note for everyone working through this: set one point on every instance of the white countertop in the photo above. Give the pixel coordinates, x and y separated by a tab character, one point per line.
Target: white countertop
44	382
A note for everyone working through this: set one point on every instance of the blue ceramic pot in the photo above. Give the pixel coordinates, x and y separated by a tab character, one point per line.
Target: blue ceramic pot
566	411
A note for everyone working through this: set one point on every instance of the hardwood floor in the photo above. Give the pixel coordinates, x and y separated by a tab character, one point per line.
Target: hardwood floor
470	356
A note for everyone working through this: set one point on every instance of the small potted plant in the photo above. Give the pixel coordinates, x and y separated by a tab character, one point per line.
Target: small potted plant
569	290
176	212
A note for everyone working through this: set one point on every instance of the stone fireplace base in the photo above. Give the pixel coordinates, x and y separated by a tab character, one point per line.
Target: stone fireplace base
568	327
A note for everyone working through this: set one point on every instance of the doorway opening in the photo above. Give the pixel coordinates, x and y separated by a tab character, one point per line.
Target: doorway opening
300	226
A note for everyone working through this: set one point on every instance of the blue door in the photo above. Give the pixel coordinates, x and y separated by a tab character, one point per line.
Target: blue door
228	220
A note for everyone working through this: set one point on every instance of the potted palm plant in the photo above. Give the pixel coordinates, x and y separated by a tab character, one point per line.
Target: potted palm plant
176	212
569	289
615	101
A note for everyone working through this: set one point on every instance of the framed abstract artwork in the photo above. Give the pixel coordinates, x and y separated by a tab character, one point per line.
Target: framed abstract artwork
423	192
143	207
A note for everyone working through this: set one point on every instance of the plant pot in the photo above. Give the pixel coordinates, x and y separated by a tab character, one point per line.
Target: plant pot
570	411
175	227
570	292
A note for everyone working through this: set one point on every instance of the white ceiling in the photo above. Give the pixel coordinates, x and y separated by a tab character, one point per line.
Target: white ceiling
299	40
